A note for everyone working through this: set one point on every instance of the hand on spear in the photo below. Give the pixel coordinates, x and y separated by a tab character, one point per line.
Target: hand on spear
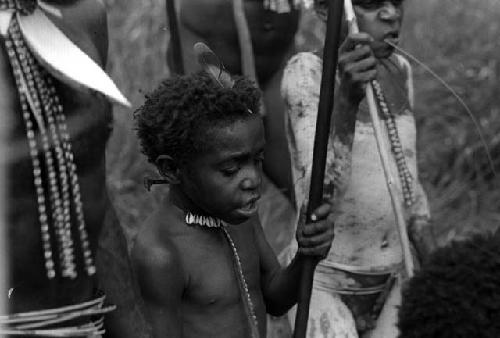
315	239
357	66
325	106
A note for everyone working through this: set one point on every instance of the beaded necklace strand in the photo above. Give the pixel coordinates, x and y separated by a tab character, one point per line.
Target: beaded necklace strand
397	149
211	222
40	104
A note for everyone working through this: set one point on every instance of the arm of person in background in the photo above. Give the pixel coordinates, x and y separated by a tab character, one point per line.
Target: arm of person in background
300	90
119	282
420	228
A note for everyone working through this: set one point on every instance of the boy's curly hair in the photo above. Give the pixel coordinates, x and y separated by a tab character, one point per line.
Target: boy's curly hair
456	293
175	117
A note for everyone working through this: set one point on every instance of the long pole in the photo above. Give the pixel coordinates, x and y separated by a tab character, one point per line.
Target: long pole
247	57
175	41
245	41
384	156
325	108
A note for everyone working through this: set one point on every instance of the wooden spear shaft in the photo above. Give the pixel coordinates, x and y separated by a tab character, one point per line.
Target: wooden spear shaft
175	40
325	108
245	41
384	156
246	48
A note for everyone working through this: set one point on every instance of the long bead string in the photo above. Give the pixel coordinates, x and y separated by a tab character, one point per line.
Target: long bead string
211	222
75	185
64	216
397	149
66	253
38	98
34	154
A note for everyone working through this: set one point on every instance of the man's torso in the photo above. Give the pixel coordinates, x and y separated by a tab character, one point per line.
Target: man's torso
89	123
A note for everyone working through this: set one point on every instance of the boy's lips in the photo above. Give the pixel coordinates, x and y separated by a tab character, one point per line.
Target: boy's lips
250	207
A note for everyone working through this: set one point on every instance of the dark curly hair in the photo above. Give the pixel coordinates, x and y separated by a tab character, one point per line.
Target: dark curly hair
175	117
456	293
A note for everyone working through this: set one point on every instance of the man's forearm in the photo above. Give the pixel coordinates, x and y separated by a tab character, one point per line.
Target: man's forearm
422	237
344	122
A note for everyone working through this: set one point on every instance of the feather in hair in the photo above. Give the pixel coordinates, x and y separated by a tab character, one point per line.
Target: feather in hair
212	65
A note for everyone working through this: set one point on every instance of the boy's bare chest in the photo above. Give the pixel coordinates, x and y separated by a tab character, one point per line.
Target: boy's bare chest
213	270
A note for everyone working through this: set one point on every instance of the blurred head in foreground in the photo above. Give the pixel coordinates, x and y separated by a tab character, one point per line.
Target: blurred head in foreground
456	293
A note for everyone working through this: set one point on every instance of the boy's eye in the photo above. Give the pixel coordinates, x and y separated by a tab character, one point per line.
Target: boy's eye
230	170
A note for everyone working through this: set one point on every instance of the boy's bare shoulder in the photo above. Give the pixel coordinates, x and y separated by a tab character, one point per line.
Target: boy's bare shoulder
157	260
153	253
155	245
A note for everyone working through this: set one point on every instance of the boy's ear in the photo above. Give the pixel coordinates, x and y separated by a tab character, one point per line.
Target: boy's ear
168	168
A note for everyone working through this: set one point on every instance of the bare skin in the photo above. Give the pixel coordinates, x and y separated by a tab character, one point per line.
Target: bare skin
90	120
186	273
211	21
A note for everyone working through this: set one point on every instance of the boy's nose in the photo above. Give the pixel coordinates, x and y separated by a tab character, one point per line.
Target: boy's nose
390	12
252	180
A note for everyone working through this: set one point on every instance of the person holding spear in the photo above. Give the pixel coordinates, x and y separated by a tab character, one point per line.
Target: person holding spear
356	289
204	265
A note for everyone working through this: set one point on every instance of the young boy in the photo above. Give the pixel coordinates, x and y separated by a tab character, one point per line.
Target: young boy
355	291
272	27
203	264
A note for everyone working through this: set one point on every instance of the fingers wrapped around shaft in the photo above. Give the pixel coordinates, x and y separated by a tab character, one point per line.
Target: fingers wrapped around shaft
357	65
315	238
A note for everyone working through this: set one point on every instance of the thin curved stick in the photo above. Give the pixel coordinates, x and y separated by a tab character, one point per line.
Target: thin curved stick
459	99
